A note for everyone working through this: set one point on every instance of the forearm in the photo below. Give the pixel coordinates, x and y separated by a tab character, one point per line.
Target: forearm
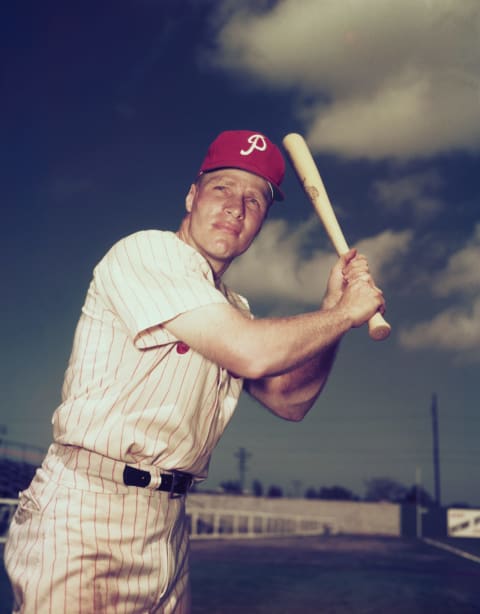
292	394
296	347
259	348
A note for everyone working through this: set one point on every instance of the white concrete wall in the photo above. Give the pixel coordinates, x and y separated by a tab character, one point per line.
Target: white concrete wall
351	517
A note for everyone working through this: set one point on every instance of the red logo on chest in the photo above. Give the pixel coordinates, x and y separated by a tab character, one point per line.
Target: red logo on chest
182	348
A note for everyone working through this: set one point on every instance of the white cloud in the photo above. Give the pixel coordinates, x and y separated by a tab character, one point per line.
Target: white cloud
462	273
428	114
413	193
456	328
280	266
453	329
272	270
384	252
381	78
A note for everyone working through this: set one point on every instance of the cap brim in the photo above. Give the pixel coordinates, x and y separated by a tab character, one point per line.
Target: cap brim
277	192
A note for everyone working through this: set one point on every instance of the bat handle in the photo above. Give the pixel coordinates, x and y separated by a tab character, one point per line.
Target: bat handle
378	327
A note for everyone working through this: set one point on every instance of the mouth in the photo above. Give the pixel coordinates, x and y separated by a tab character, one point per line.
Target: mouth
228	228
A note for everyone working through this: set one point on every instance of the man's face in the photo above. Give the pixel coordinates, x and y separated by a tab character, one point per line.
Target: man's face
227	209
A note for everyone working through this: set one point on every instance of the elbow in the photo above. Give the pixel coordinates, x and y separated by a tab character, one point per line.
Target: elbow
294	416
254	360
292	412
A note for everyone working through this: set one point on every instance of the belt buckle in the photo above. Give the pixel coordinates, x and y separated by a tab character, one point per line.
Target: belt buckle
179	478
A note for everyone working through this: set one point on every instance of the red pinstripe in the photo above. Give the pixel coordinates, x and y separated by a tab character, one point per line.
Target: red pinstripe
107	562
127	396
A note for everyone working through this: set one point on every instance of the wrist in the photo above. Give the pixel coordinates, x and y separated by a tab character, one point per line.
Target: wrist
341	318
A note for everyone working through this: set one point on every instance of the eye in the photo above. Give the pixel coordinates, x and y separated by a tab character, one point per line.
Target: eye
256	204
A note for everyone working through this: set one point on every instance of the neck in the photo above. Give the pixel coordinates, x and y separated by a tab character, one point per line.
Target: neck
218	266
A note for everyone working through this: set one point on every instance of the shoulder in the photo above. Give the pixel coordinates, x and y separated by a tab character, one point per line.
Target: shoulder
146	246
155	250
144	239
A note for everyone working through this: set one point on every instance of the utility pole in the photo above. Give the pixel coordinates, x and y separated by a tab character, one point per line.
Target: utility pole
436	451
418	503
242	456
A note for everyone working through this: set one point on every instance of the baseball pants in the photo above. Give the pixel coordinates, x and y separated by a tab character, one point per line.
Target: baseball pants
81	542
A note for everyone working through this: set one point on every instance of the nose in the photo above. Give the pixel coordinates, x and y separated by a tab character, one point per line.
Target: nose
235	207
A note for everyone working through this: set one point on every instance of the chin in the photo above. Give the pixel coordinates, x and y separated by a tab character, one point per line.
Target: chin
224	249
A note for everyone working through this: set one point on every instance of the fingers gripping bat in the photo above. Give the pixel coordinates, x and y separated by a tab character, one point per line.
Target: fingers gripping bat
307	172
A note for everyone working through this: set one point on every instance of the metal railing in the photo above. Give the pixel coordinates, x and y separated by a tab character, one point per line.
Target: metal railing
233	524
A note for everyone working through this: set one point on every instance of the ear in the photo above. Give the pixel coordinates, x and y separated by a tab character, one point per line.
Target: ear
190	197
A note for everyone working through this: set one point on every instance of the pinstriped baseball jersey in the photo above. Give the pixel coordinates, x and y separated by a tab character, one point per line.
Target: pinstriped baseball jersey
132	391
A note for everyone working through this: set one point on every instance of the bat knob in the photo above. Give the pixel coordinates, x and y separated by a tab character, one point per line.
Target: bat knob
378	328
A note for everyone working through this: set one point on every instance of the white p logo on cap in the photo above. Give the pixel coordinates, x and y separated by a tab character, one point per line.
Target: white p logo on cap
257	142
248	151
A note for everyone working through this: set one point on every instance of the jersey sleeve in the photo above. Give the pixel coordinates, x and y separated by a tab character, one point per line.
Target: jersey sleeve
149	278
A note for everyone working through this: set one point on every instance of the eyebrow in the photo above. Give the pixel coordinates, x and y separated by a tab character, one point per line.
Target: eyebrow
267	193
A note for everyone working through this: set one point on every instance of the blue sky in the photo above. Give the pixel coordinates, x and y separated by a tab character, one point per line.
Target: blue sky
107	109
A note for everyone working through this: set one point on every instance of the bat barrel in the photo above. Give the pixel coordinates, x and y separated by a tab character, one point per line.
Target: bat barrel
302	161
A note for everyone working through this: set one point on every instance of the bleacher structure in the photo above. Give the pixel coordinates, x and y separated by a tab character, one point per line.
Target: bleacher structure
213	523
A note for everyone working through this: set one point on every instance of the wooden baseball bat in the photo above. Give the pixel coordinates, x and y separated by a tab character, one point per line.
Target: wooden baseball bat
307	172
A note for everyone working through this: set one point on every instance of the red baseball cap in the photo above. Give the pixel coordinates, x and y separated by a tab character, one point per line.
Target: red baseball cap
249	151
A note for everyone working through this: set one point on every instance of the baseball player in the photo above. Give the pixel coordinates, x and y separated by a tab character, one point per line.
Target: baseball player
160	356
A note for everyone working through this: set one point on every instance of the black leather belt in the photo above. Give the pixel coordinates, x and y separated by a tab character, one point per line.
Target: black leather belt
176	483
